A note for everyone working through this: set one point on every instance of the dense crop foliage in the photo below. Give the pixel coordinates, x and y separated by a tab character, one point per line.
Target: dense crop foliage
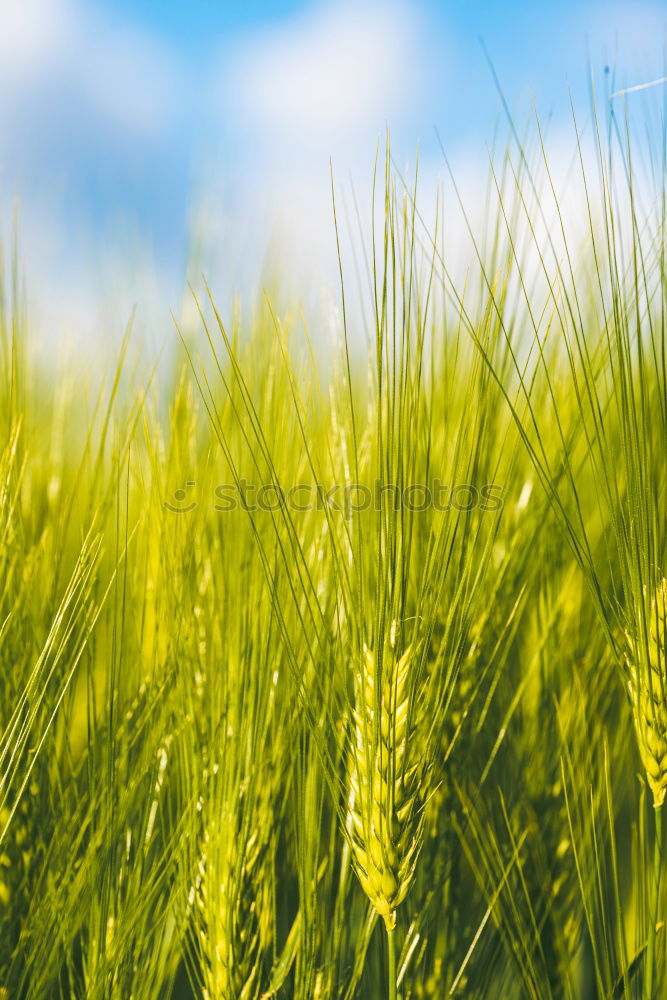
348	678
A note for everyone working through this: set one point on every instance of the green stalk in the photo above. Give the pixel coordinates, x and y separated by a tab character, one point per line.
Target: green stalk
391	962
650	950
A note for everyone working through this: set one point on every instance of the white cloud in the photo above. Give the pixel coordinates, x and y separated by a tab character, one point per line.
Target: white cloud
319	85
70	53
128	75
83	93
33	38
333	68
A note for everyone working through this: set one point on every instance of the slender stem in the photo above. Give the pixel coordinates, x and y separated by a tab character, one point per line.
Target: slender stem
391	962
653	917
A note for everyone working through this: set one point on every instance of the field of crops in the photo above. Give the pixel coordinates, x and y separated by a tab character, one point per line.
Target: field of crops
335	666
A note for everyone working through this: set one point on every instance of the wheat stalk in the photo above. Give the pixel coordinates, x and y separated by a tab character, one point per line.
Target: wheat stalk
386	817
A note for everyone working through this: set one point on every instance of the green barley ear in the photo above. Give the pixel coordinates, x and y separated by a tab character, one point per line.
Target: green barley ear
225	893
648	694
386	779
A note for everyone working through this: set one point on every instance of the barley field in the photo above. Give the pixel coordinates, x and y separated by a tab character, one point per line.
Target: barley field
333	660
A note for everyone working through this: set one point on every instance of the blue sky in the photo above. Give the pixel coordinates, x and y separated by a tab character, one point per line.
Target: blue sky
132	129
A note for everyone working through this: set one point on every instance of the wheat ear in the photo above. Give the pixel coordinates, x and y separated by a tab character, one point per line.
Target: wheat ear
225	897
648	694
386	781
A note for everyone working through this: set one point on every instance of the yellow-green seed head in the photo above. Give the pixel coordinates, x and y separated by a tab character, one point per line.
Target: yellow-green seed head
648	693
225	896
385	781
